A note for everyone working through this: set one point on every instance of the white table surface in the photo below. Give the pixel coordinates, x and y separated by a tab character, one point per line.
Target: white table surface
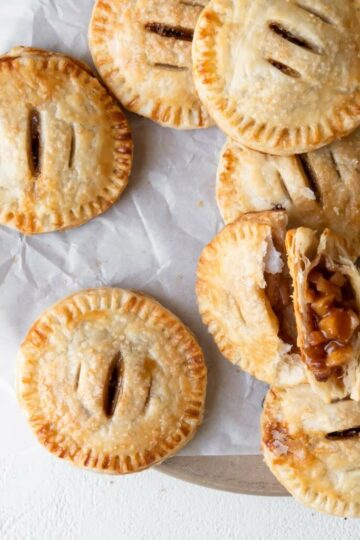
42	498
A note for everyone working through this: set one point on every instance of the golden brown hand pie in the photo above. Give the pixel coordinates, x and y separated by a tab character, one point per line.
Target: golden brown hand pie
111	381
142	50
280	76
313	448
327	309
65	150
243	290
319	189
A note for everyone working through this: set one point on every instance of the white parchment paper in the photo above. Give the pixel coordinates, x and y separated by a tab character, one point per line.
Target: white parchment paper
149	241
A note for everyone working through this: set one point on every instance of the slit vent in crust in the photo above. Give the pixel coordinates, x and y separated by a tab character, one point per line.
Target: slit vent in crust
34	142
284	187
344	434
286	70
192	4
170	67
148	397
72	148
313	11
334	162
286	34
168	31
113	385
310	176
77	378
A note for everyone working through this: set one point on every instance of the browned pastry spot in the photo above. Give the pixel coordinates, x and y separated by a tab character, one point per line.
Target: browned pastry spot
276	437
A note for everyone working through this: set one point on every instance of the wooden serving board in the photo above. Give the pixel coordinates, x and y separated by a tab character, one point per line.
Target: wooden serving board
238	474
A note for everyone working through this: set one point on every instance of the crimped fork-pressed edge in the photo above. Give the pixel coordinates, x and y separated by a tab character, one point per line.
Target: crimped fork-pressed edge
150	311
185	118
28	223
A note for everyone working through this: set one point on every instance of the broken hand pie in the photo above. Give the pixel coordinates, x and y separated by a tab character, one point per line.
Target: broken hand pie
65	150
313	448
280	76
142	50
319	189
111	381
243	290
327	308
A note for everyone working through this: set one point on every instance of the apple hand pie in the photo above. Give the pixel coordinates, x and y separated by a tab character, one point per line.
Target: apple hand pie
280	76
313	448
66	149
244	296
319	189
327	308
111	381
142	50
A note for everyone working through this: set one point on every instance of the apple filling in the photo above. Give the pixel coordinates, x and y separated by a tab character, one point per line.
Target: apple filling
278	291
333	322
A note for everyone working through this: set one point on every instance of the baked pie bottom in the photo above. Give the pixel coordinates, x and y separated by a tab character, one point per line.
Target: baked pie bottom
111	381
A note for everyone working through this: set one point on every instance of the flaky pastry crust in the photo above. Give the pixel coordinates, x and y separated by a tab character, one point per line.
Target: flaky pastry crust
65	150
279	76
319	189
313	448
234	302
143	52
111	381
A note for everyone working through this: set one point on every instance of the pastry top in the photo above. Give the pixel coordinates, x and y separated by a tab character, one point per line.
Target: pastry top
65	150
313	448
319	189
327	308
112	381
244	297
142	49
280	76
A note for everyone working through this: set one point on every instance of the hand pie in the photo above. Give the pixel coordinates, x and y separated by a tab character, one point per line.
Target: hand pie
65	151
143	52
281	77
320	189
111	381
313	448
243	291
327	308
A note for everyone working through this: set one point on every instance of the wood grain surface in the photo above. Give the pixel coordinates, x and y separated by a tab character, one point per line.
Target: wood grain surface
238	474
